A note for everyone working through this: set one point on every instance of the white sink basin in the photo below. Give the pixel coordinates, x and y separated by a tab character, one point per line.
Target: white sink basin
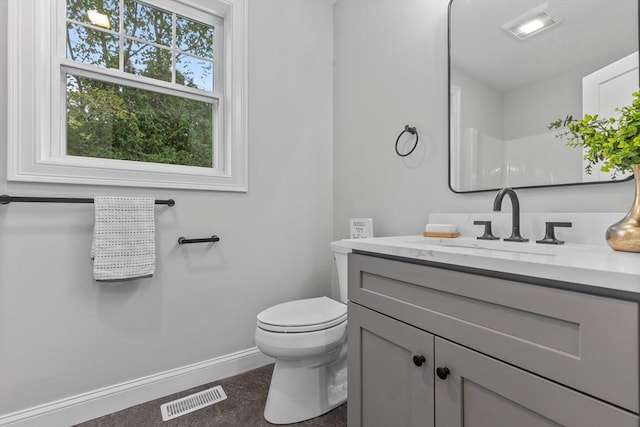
530	247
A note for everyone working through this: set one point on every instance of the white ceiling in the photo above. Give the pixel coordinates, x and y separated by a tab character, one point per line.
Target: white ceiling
592	34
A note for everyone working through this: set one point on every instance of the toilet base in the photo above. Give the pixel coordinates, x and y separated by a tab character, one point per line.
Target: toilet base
296	384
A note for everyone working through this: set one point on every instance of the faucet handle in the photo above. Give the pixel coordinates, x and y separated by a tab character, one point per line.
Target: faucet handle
488	234
550	235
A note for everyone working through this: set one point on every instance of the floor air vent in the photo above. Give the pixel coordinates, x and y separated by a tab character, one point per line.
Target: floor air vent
192	403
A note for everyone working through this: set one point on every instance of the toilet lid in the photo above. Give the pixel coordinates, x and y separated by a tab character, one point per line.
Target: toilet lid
305	315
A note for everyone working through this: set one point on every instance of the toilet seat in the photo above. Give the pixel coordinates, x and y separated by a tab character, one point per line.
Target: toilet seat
305	315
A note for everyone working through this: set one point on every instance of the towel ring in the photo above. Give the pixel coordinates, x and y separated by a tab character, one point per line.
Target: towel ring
412	131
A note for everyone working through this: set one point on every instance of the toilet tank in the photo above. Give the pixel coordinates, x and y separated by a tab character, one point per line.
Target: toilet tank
340	253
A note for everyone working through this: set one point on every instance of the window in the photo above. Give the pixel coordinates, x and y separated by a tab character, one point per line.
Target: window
127	92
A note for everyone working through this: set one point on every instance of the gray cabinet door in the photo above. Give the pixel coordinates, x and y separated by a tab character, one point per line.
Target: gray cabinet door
483	392
386	388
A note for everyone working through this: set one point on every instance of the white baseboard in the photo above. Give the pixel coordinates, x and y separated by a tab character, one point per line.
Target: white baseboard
93	404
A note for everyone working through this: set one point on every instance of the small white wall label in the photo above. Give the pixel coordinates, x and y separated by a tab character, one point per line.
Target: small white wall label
361	228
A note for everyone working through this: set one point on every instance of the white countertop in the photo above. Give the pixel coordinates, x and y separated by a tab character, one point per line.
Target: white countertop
591	265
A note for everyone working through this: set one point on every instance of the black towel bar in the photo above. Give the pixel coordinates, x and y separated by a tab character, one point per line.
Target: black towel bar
5	200
212	239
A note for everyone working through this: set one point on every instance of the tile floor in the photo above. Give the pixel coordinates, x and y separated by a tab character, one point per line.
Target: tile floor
246	397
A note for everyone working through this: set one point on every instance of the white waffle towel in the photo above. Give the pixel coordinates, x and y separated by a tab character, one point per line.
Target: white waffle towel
124	245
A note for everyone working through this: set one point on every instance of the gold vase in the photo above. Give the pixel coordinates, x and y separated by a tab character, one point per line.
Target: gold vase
624	235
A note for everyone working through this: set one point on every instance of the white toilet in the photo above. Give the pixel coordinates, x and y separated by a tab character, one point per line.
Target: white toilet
308	340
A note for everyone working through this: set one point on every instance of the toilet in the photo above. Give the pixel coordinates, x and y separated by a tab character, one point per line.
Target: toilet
308	340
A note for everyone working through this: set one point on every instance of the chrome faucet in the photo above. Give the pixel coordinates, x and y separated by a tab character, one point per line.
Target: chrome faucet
515	213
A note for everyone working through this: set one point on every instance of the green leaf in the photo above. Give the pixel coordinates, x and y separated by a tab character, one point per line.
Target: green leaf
614	141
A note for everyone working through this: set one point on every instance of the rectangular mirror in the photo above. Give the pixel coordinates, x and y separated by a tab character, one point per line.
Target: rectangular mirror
517	65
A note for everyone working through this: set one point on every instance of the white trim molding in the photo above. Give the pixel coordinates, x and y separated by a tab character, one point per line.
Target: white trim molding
34	102
96	403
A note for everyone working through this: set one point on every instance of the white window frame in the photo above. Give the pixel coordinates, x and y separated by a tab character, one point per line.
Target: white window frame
37	93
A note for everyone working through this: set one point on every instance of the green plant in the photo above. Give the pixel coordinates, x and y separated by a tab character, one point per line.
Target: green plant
615	142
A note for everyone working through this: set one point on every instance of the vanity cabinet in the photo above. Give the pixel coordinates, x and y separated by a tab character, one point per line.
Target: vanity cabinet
516	353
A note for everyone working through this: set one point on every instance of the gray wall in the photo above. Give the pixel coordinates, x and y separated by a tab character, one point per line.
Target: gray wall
528	109
391	69
481	106
62	334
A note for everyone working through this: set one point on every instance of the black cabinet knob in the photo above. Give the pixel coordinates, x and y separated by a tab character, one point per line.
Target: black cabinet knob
419	360
442	373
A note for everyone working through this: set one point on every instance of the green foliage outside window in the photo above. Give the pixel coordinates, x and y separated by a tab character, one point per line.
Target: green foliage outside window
109	121
114	121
